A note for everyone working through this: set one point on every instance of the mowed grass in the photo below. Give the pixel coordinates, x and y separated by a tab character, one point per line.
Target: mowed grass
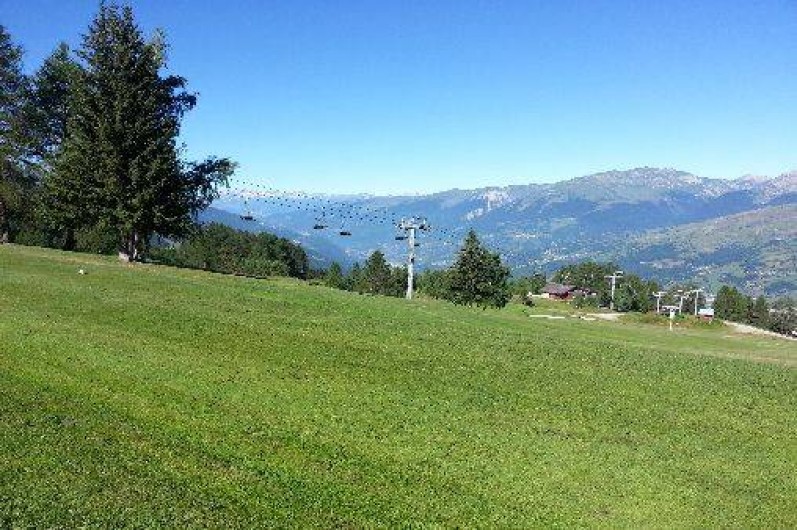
150	396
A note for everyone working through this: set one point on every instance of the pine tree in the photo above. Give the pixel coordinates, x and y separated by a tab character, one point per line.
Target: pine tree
635	294
398	282
376	273
625	298
47	104
14	178
758	313
434	283
783	318
537	282
42	129
334	276
355	280
478	277
119	166
730	304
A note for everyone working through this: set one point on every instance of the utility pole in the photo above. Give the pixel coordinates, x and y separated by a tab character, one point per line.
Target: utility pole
658	295
614	277
411	226
697	297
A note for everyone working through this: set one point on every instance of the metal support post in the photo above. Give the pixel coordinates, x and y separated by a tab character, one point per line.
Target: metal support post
613	277
411	226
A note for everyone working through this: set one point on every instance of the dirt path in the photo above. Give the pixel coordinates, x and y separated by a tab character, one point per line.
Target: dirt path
734	326
582	316
752	330
605	316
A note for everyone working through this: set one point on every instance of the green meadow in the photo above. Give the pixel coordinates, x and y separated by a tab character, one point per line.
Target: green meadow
143	396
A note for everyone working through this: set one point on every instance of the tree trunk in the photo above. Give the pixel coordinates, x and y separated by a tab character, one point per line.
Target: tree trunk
128	252
69	239
4	238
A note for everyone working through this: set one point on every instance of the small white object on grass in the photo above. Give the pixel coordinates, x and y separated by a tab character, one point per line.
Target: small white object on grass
81	271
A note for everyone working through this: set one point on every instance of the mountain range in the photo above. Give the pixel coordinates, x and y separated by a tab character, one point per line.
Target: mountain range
661	223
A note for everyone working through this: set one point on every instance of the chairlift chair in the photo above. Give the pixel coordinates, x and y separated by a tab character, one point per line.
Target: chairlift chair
247	215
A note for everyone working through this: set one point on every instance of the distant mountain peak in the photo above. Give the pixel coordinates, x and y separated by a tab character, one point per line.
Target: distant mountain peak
647	176
754	179
785	184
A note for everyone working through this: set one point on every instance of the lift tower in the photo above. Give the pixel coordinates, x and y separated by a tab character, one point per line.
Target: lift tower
658	295
614	277
697	297
411	227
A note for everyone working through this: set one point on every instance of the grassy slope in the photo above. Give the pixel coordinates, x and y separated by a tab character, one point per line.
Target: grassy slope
147	395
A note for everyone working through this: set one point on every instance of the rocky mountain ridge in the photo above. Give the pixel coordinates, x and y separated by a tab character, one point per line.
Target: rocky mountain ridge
542	226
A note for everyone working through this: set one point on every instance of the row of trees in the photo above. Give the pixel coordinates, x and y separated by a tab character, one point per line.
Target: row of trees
219	248
376	276
780	316
476	278
631	294
88	144
637	294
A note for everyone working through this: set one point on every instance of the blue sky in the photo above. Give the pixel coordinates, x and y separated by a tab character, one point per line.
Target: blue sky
410	96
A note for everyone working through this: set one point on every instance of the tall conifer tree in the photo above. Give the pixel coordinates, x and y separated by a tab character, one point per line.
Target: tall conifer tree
377	273
14	178
119	166
478	277
47	104
44	121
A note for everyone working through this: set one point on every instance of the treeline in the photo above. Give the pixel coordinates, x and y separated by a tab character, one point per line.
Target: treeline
636	294
89	153
779	316
219	248
376	276
476	278
632	293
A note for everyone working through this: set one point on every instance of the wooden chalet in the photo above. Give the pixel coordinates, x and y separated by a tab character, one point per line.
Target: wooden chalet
558	291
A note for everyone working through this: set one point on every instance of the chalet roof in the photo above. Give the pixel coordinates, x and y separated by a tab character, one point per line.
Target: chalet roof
558	289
